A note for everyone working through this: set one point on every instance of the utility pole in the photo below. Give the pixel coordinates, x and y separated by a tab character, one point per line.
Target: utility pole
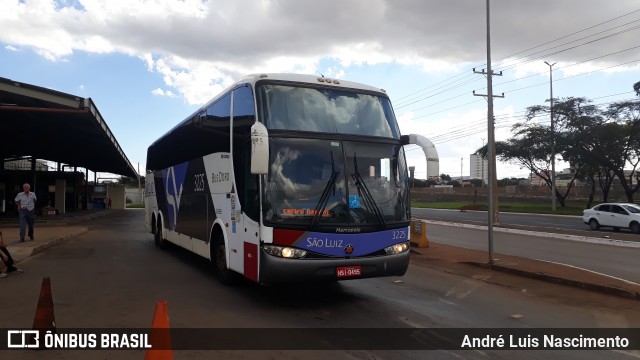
482	165
461	165
492	196
553	140
139	186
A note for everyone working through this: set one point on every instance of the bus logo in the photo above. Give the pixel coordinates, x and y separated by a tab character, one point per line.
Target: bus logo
174	180
348	230
348	249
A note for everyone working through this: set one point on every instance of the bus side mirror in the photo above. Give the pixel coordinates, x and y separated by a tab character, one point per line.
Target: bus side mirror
404	140
259	149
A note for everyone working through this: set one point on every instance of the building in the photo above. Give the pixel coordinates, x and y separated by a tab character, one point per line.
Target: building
479	168
25	164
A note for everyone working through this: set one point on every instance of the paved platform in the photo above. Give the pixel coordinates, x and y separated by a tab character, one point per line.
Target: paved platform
43	239
48	231
449	258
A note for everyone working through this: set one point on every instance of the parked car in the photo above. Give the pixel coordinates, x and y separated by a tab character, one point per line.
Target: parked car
615	215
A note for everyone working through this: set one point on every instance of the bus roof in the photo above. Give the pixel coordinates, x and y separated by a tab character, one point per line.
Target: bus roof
309	79
254	78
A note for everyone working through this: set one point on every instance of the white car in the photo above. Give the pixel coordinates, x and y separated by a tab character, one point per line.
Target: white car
615	215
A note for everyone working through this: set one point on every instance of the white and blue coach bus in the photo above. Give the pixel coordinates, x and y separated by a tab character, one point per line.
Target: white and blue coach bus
285	178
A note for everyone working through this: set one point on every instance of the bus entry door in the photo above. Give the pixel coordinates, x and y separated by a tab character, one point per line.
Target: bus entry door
236	250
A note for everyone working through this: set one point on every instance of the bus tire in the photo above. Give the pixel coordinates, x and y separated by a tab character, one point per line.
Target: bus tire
219	258
157	236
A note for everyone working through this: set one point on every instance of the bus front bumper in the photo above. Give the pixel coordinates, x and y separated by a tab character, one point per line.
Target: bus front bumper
274	270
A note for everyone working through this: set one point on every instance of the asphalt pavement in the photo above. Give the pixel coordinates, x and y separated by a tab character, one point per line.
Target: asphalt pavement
458	260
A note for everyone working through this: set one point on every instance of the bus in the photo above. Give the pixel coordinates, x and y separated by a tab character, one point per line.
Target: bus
285	178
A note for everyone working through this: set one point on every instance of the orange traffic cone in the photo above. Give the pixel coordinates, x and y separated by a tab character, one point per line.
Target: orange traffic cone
45	319
160	336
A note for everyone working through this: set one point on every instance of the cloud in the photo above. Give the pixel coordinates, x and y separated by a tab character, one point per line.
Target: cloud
161	92
199	46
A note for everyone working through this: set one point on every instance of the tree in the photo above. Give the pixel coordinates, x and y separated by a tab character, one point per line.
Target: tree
476	182
626	116
531	145
636	88
591	142
598	143
445	178
604	140
130	181
509	181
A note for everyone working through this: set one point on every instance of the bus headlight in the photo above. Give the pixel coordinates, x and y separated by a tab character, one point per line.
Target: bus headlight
397	248
284	252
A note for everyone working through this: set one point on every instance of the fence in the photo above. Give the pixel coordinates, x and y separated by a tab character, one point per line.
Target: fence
516	194
134	195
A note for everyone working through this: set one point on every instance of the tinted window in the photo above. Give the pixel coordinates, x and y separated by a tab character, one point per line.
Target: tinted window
618	210
243	102
217	120
220	110
604	208
632	209
204	133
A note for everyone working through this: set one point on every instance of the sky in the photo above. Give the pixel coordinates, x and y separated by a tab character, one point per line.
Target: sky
148	64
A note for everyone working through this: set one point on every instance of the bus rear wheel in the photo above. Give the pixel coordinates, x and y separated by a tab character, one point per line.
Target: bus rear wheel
157	236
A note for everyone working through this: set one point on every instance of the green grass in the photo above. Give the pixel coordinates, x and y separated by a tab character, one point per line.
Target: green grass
570	209
135	206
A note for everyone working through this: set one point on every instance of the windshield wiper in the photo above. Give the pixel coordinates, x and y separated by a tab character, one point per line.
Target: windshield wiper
324	198
366	194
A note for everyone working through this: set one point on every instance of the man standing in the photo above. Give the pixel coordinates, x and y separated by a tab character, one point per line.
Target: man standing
26	203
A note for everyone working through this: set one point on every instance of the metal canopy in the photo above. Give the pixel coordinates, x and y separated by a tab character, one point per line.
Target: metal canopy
60	127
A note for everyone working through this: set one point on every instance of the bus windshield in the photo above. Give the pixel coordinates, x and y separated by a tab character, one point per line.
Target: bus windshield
321	182
326	110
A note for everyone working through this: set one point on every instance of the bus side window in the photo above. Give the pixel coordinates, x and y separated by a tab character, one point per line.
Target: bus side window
218	115
217	120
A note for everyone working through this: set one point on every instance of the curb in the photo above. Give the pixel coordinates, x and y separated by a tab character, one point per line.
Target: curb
25	253
569	237
611	290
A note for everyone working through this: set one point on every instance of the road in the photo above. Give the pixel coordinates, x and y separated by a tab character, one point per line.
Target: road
616	261
543	222
113	275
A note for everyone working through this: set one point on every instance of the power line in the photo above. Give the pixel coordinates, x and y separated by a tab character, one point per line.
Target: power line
546	55
502	121
573	76
573	47
414	99
430	95
573	33
568	66
529	86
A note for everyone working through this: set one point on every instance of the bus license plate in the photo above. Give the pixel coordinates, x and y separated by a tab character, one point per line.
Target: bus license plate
348	271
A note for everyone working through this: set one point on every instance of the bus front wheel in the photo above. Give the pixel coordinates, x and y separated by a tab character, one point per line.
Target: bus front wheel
223	273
